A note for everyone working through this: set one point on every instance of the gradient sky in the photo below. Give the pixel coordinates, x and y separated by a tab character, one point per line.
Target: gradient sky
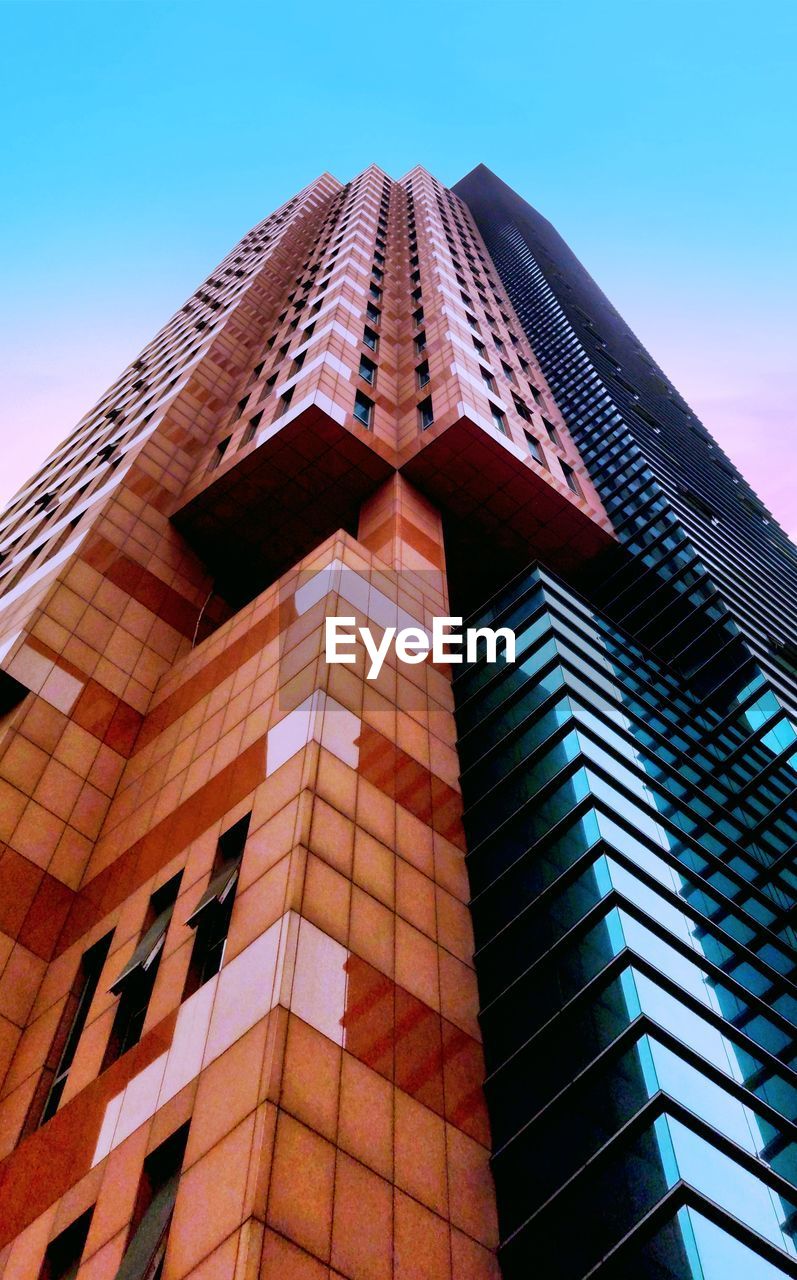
142	138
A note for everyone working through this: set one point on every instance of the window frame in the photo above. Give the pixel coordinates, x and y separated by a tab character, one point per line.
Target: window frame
425	410
535	449
364	402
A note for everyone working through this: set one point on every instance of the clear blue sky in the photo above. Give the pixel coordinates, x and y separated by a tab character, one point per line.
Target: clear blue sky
141	139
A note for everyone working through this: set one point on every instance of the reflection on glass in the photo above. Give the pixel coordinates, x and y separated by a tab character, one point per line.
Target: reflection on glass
665	843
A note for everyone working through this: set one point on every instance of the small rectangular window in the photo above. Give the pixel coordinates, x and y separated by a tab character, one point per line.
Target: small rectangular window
507	371
367	370
297	363
135	983
283	403
420	342
537	398
422	373
425	413
480	347
499	419
487	378
363	409
553	435
521	409
417	317
697	502
535	449
152	1215
218	453
571	479
373	313
211	916
67	1036
63	1255
785	651
375	291
370	338
250	430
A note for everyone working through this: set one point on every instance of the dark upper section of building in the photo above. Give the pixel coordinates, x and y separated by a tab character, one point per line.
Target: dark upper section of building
676	500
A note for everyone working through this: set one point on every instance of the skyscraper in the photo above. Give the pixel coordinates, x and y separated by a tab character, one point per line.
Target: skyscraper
247	1029
634	915
679	504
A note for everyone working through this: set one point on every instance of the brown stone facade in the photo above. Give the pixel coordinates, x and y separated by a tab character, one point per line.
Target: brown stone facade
276	1049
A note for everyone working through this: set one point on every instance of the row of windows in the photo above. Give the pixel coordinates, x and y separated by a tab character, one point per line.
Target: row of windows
424	408
146	381
46	504
167	348
538	454
364	406
422	370
498	342
498	417
587	403
506	369
364	411
148	1235
370	338
210	920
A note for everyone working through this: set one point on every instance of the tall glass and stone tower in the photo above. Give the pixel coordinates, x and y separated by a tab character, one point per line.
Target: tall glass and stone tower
635	917
456	971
